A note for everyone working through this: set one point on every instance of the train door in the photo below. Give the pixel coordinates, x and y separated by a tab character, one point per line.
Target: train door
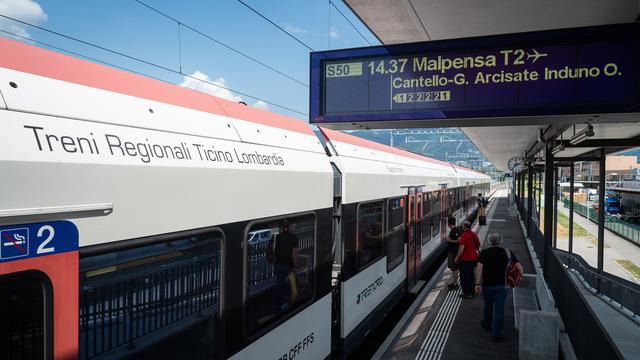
414	226
39	284
418	237
444	208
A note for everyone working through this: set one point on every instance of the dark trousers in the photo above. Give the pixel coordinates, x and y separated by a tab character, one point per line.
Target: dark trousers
495	297
467	269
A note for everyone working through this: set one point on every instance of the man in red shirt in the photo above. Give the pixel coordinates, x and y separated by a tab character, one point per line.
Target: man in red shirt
467	258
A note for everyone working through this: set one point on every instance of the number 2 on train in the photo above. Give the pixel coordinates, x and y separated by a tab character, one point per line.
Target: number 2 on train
42	248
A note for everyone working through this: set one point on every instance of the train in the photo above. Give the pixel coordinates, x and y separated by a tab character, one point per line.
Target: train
135	213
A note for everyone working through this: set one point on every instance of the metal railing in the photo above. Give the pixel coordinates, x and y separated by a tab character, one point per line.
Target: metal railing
118	311
623	229
623	292
588	337
261	273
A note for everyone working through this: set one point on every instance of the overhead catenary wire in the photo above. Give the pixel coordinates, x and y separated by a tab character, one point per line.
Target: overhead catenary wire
329	29
146	62
229	47
349	21
180	46
274	24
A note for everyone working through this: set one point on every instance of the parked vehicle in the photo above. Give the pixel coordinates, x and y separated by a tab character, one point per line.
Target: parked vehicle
632	219
612	205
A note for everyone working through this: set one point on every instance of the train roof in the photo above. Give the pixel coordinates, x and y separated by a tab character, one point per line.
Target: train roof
339	136
37	61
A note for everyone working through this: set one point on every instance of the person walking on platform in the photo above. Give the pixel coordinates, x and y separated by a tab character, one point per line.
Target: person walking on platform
467	258
482	209
452	251
491	280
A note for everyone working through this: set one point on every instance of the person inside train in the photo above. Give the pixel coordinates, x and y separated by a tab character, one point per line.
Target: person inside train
371	242
467	258
286	261
452	251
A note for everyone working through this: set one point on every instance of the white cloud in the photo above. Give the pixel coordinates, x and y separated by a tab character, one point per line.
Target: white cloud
25	10
333	32
208	87
262	105
294	29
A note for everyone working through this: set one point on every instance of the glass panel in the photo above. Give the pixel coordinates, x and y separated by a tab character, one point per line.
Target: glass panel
435	214
369	233
280	263
395	232
148	288
426	219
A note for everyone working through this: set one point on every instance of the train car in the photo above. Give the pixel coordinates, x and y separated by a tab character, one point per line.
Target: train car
392	210
133	212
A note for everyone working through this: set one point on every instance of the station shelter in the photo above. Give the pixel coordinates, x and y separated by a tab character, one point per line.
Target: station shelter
559	97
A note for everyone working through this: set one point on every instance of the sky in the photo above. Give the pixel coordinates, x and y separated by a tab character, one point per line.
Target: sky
129	27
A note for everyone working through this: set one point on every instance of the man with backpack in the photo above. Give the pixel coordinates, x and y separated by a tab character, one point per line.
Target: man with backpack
452	250
466	258
497	270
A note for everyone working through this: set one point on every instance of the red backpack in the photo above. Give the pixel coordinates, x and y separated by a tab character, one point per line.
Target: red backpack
513	275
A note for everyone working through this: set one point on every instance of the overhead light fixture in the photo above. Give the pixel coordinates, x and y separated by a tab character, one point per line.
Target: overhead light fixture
582	135
556	149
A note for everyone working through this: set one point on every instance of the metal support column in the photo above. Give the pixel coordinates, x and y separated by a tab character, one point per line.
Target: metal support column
571	190
601	210
522	177
522	183
548	203
518	190
529	200
539	193
513	188
555	207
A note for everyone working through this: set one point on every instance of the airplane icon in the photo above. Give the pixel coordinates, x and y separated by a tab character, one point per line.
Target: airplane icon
536	55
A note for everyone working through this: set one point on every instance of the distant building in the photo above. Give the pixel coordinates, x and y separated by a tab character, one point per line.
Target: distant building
618	168
629	192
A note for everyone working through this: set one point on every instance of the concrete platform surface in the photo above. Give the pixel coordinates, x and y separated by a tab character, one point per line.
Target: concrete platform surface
444	326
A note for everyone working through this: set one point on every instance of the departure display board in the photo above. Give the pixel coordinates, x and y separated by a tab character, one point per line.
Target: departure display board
573	71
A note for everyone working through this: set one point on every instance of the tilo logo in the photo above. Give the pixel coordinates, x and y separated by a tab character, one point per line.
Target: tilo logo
369	290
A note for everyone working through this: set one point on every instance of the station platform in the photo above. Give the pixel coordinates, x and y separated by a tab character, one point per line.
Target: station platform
445	326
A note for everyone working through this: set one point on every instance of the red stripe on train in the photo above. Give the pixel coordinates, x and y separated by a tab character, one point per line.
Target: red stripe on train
34	60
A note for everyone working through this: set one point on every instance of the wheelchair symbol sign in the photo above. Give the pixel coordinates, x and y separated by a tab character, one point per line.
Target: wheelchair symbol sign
14	243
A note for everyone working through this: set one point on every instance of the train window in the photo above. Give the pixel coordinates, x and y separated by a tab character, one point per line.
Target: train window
155	287
24	304
435	214
426	218
369	233
280	263
395	232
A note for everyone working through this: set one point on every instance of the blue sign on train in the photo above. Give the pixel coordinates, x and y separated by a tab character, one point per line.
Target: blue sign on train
18	242
592	70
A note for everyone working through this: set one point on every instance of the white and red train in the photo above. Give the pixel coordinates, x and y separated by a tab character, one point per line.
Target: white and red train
134	211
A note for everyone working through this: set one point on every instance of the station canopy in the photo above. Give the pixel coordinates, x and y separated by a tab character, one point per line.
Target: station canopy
505	113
